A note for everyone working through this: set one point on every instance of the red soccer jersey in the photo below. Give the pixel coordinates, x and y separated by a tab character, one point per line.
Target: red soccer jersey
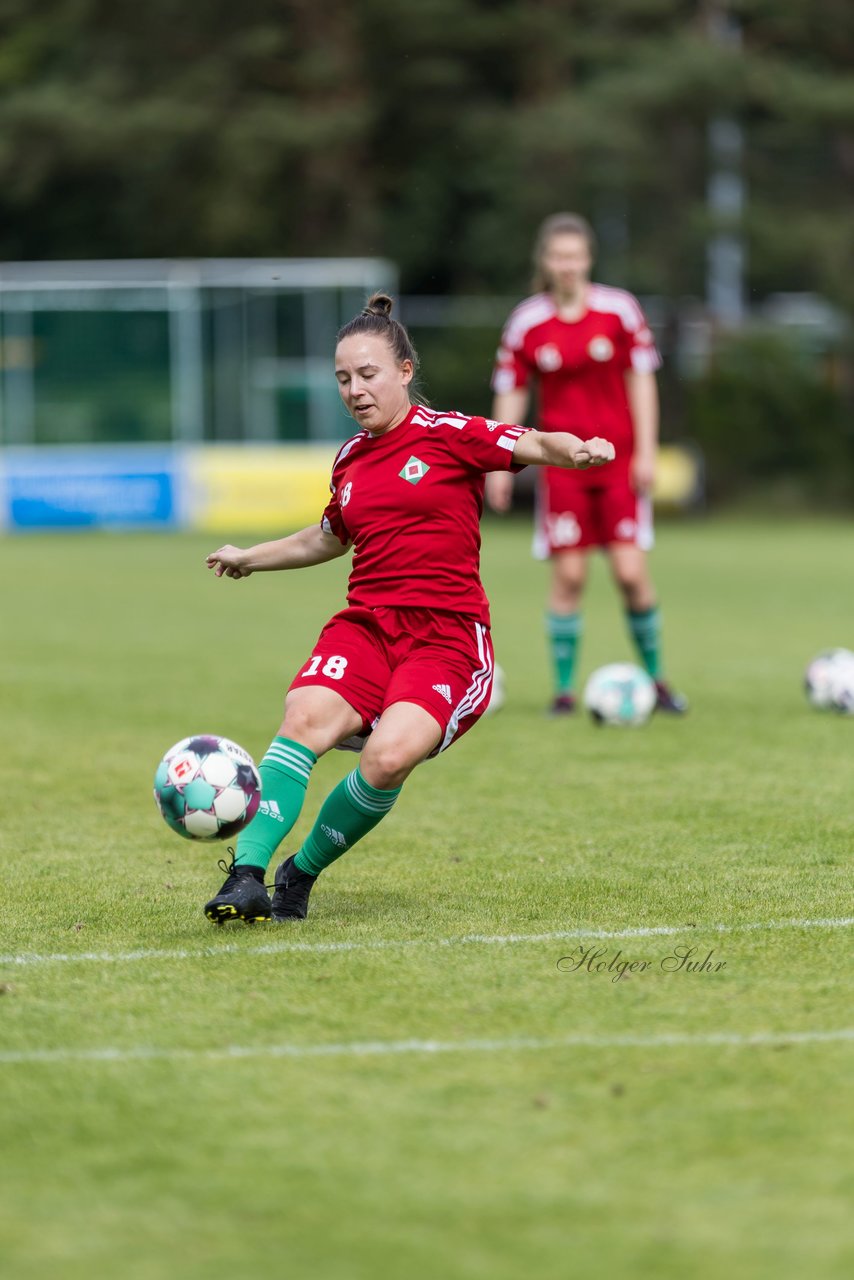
410	501
580	365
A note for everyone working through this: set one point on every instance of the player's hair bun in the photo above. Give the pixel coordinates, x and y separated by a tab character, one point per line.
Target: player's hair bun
379	304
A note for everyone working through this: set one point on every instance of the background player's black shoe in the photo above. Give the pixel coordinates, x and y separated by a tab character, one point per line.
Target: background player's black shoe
242	897
666	700
563	705
290	894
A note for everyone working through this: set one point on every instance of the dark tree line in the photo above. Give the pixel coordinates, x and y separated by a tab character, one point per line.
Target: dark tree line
436	132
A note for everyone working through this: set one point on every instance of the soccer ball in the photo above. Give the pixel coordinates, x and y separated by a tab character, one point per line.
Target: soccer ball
498	692
843	690
207	788
620	694
829	680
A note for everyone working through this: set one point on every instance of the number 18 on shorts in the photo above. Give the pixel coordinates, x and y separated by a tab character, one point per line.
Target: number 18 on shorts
333	668
376	657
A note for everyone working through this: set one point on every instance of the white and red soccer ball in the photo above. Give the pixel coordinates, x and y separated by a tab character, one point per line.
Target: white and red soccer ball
207	788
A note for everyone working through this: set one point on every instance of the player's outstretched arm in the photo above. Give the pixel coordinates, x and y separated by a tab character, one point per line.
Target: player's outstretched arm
561	449
299	550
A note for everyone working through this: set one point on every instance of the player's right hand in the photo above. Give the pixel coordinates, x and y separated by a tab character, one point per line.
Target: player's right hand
499	490
594	452
229	561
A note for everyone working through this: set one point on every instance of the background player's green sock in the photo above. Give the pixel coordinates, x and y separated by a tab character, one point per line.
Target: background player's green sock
349	812
645	628
284	771
564	633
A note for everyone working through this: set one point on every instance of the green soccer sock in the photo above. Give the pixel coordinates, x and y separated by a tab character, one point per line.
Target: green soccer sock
645	630
564	633
284	771
350	811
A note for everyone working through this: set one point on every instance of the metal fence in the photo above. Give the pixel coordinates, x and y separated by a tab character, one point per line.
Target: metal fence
182	352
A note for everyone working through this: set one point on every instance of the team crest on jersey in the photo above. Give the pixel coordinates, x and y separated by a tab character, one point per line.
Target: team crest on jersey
413	470
600	349
548	358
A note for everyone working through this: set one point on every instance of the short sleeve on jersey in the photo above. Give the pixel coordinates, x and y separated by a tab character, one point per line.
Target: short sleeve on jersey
483	445
512	371
513	368
642	352
331	522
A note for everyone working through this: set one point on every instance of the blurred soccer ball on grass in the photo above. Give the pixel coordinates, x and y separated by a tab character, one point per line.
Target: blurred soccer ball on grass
620	694
829	681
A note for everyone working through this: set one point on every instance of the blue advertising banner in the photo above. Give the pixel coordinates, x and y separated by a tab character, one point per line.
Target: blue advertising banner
62	489
219	488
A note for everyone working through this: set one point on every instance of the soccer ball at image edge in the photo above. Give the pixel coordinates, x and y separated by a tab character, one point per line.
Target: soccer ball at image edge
620	694
207	787
842	688
829	681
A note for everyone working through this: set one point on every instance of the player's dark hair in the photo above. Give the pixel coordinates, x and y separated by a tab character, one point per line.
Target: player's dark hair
376	318
559	224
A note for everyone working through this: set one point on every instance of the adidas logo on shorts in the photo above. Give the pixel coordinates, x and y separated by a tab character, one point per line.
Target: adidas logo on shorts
445	690
335	836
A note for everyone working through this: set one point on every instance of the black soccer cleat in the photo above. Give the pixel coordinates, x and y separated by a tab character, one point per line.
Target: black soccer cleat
290	894
242	897
666	700
564	704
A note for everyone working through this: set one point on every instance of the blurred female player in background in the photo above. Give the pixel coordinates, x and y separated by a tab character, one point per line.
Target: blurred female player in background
406	669
593	358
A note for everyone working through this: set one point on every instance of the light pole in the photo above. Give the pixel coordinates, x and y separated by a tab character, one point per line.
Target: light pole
725	197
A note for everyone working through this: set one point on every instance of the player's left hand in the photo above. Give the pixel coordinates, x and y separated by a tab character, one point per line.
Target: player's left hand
594	452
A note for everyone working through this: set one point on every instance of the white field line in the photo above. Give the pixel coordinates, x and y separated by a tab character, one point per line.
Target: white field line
392	944
383	1048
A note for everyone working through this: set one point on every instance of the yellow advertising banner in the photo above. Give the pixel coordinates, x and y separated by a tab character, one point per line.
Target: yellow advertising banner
283	487
678	478
230	488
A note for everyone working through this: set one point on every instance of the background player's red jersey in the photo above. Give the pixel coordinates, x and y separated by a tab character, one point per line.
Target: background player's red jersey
410	501
579	365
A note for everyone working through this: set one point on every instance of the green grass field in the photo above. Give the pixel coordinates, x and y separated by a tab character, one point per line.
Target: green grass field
408	1083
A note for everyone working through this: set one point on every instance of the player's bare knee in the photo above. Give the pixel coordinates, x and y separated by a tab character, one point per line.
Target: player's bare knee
296	724
566	600
637	592
387	765
309	721
568	582
628	582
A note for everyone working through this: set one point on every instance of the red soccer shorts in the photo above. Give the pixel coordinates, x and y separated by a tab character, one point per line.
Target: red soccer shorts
374	657
574	513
